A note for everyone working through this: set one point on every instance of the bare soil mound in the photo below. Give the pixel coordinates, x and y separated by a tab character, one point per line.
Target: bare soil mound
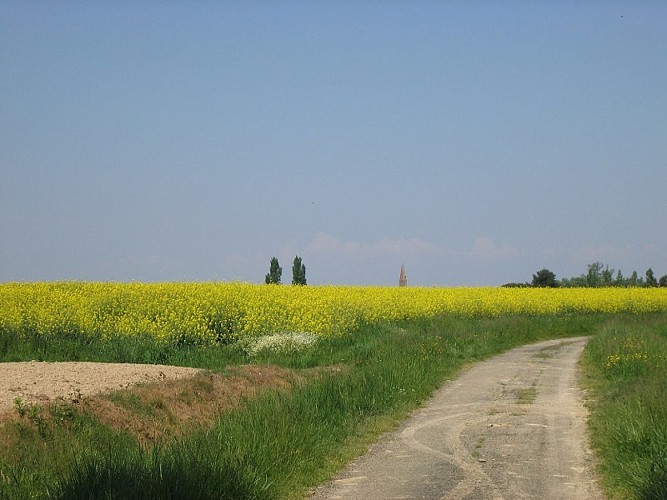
40	382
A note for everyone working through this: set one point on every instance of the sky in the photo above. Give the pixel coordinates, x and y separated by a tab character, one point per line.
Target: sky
475	143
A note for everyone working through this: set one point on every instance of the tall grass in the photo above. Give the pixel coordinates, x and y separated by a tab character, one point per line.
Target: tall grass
626	364
281	444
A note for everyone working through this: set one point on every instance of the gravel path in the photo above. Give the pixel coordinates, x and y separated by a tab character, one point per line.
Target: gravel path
40	382
512	427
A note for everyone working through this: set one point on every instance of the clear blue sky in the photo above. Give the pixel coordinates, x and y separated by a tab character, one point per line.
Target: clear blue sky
473	142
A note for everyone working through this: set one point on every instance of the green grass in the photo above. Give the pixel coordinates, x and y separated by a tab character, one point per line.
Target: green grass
626	368
120	349
281	444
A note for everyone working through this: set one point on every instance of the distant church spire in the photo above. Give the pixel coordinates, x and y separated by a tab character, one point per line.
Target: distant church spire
403	279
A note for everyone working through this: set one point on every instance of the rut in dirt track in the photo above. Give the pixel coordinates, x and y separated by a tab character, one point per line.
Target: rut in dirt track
511	427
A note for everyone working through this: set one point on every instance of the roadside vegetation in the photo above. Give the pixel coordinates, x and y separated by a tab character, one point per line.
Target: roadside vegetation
334	398
626	376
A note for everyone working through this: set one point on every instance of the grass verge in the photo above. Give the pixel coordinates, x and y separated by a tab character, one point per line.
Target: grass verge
626	378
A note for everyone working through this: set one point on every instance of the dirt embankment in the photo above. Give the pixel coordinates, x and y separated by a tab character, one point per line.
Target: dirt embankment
153	402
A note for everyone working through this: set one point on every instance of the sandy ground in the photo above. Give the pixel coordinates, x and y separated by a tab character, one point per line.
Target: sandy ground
40	382
512	427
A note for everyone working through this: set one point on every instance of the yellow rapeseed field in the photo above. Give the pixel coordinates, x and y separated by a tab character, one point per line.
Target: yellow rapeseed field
210	312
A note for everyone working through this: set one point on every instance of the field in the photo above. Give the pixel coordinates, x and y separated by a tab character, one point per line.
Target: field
352	362
209	313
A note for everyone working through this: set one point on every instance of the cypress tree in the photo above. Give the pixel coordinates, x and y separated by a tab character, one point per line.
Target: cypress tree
298	272
275	273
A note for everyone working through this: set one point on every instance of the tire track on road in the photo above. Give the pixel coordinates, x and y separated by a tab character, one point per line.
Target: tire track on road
511	427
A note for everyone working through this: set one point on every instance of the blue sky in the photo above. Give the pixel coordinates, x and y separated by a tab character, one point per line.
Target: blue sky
473	142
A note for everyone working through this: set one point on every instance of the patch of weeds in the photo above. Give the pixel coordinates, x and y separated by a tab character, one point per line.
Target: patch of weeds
21	407
526	396
33	413
62	413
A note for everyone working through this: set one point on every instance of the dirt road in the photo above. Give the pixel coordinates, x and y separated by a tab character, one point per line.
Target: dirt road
512	427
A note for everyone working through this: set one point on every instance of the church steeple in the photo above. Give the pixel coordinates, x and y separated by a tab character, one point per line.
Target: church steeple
403	279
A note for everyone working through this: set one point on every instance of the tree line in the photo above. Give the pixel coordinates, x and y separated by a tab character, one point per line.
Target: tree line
274	276
597	275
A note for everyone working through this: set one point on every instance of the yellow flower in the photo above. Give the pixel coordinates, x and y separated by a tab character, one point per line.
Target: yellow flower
210	312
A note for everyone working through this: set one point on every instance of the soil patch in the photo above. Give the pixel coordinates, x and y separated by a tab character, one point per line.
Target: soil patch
40	382
153	402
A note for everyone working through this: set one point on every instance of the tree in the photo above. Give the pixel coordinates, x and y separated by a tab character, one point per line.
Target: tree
298	272
600	274
650	279
607	276
594	274
544	279
275	273
620	280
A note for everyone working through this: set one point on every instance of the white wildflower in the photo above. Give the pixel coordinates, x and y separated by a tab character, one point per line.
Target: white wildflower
289	342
